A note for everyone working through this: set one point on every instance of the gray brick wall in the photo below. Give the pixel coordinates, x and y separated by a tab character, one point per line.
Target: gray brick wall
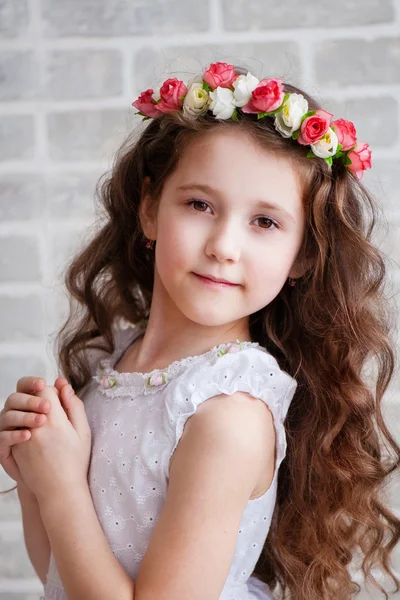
69	70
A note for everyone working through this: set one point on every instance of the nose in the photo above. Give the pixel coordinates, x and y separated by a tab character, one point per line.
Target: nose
224	243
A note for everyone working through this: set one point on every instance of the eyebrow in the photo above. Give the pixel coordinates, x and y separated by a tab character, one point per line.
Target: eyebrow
261	203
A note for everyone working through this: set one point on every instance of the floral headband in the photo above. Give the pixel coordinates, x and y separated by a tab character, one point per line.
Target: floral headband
224	92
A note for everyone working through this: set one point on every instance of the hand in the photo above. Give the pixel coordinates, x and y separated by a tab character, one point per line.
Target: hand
18	417
57	454
19	413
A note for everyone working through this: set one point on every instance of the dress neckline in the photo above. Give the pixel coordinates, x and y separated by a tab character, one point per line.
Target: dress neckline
113	382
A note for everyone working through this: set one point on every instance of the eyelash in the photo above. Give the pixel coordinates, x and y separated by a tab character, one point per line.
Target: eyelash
276	226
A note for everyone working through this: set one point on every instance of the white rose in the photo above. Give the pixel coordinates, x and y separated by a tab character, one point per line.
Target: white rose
195	102
288	119
222	103
327	145
244	86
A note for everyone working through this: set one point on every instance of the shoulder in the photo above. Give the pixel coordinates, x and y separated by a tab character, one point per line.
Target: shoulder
97	353
250	370
123	334
227	419
236	423
235	396
250	362
238	432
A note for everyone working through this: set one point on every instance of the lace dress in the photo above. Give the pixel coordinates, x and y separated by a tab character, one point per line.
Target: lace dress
137	420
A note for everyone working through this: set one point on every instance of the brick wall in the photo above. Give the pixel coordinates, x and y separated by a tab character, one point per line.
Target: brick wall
69	70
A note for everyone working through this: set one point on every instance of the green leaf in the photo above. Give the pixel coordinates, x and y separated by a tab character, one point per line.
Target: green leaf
295	134
206	86
311	154
145	117
235	115
328	160
310	113
338	152
338	155
273	112
346	160
270	113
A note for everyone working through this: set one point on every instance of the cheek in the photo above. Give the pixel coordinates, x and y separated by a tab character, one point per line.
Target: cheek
175	247
267	273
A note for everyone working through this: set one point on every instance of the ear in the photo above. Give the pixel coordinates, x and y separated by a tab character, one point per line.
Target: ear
147	217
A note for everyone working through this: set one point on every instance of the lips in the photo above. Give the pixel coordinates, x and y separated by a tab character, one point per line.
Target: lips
217	280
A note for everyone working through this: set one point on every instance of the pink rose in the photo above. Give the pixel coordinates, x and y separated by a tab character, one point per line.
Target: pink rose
104	382
220	74
233	348
313	128
146	104
360	159
346	133
267	96
156	379
172	93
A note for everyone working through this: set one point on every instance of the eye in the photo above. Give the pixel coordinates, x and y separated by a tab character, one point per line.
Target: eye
275	225
192	202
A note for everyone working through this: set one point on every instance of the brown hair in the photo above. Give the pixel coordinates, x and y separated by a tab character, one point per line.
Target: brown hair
330	502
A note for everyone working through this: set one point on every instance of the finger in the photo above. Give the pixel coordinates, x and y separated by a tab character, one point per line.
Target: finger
17	418
60	382
51	394
75	409
27	403
66	396
9	438
28	385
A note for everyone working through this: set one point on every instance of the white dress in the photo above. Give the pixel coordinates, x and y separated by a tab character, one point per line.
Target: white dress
137	420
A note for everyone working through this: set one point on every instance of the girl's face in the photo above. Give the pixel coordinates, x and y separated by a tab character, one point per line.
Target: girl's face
211	221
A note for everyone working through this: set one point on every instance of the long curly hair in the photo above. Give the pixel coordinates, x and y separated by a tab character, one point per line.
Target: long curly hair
330	504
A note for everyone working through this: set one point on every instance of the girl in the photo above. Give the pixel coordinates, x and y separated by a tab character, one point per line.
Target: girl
222	442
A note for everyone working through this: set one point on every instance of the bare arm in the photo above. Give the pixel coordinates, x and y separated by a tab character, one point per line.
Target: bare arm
16	421
225	448
85	562
35	535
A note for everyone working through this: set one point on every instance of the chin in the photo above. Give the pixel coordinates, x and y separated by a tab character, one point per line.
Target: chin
207	316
